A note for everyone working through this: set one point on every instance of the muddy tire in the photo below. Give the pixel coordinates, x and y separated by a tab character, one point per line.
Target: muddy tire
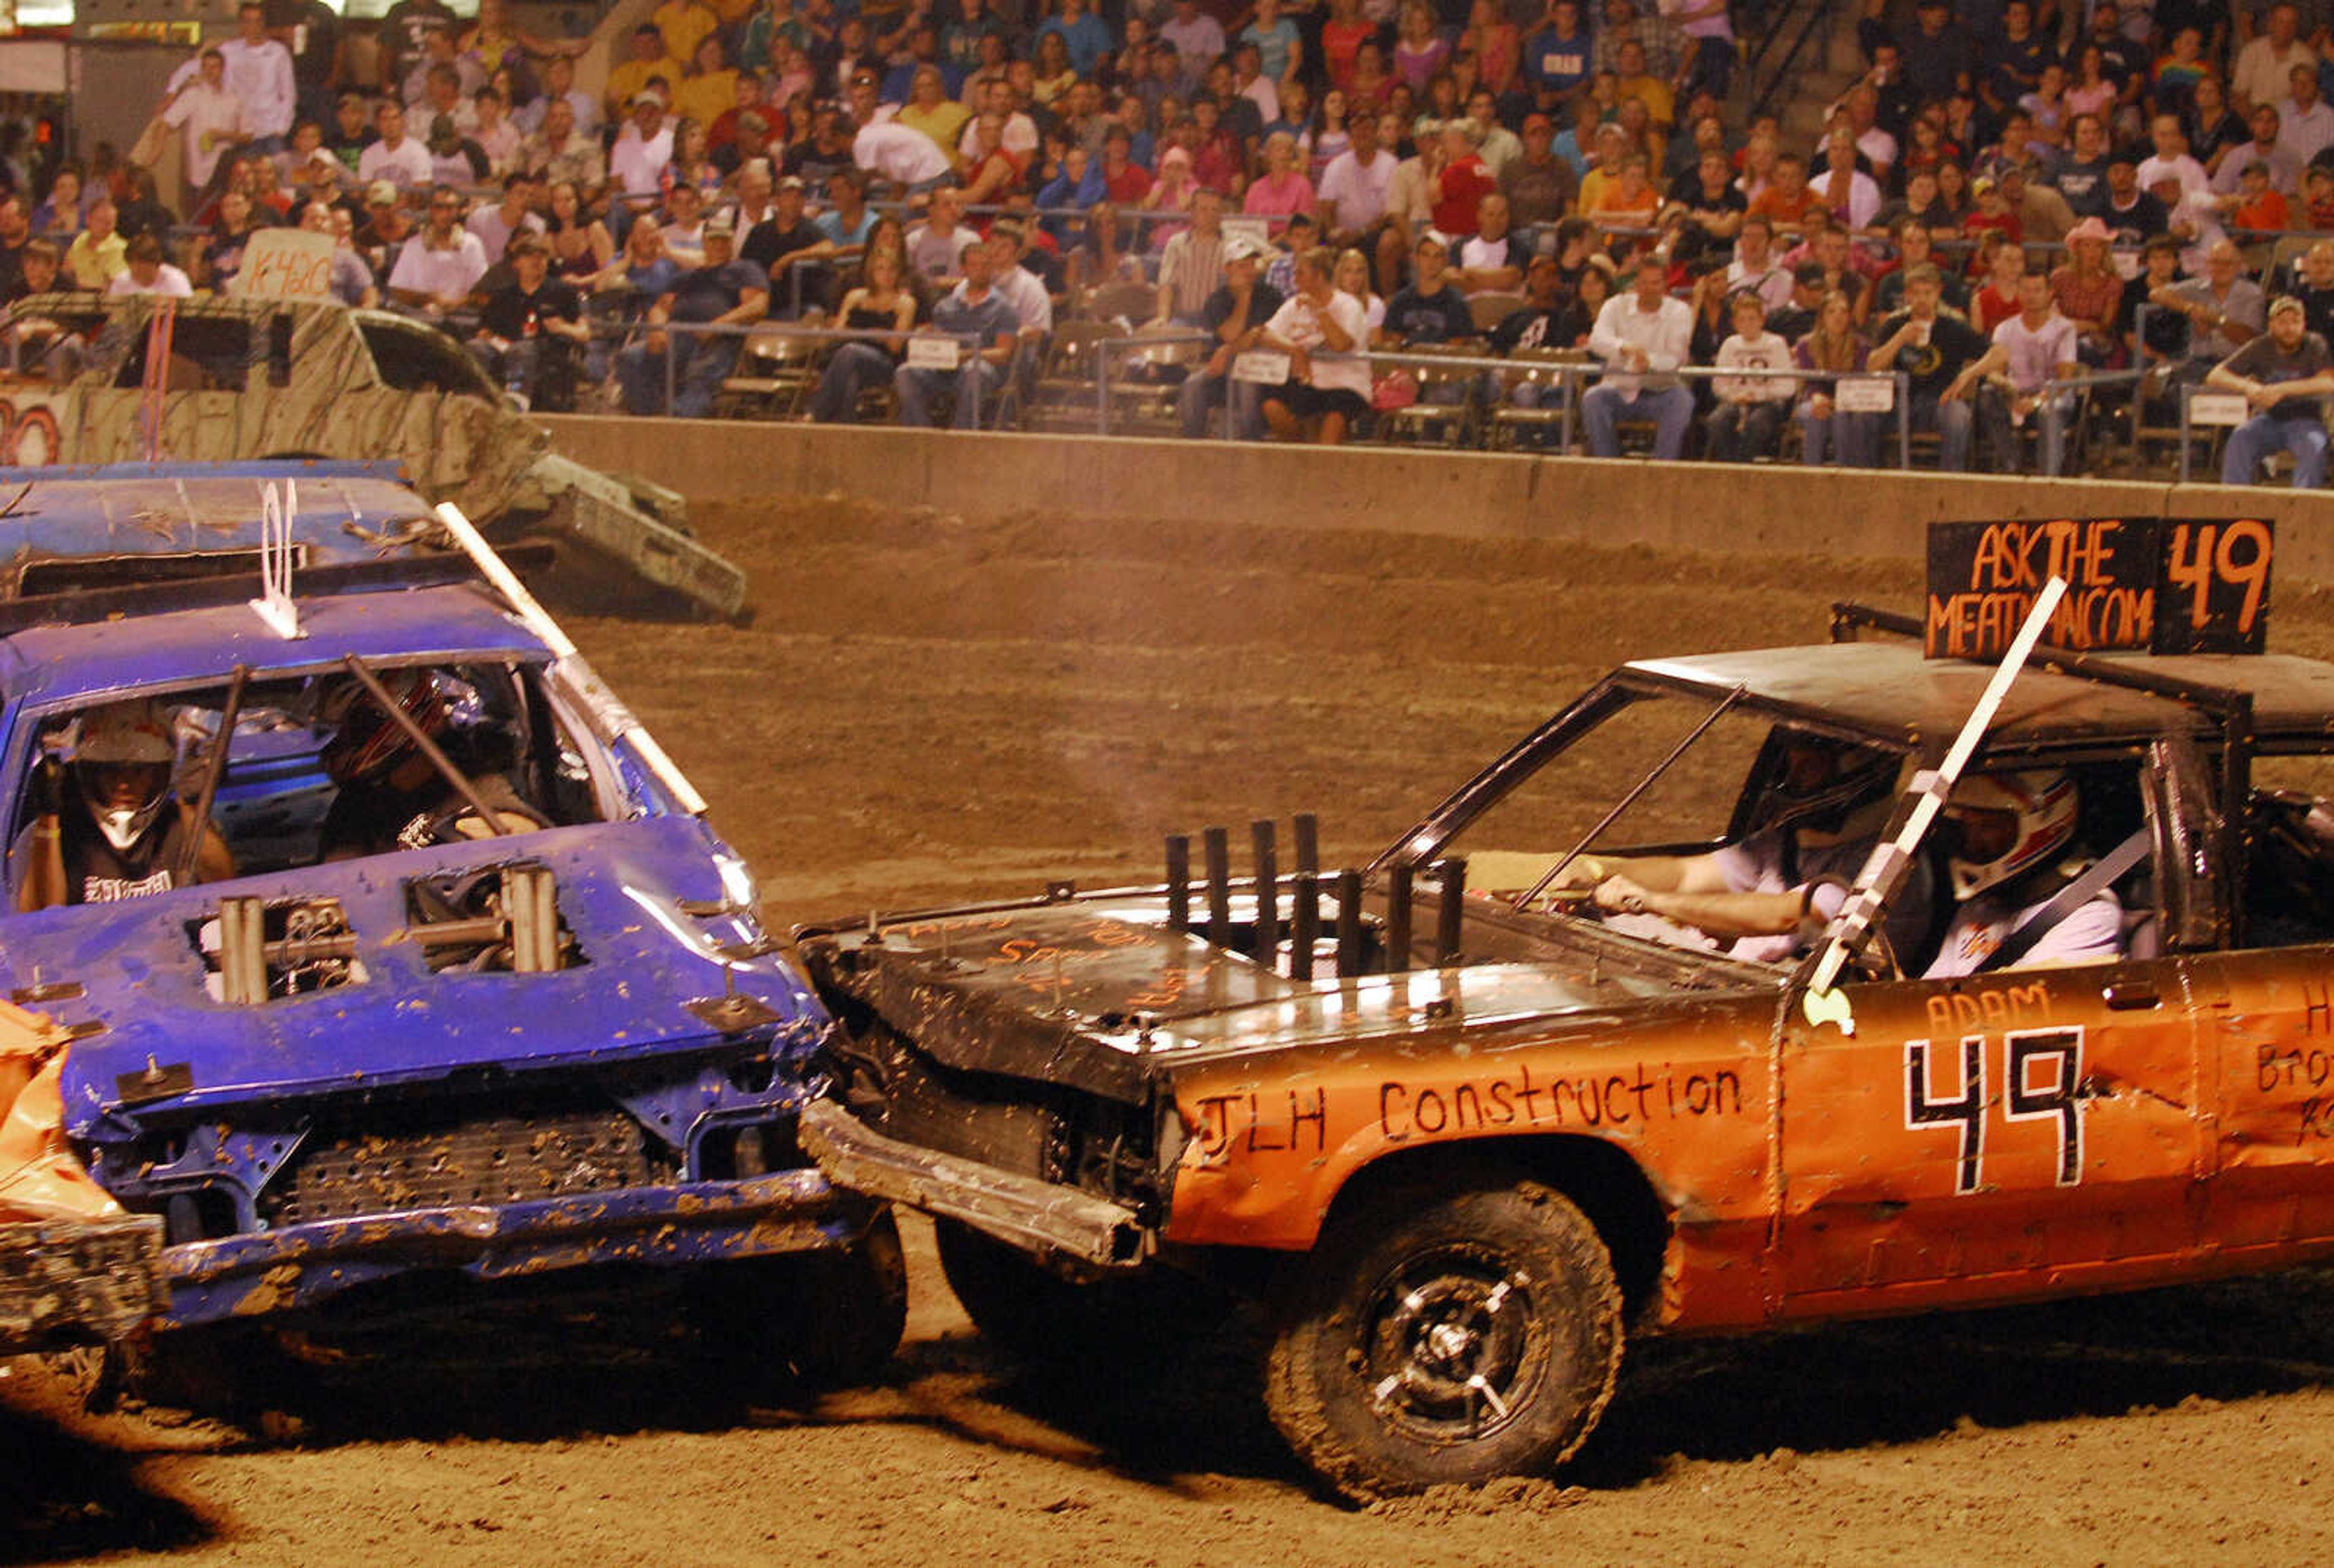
1037	1315
854	1308
827	1319
1434	1337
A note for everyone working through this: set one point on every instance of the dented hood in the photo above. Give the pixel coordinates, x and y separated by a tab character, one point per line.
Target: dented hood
645	900
1101	994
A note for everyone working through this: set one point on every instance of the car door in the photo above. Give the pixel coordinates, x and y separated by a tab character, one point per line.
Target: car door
1991	1136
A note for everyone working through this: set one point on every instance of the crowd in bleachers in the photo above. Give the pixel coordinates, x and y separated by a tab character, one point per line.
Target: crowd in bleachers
1311	219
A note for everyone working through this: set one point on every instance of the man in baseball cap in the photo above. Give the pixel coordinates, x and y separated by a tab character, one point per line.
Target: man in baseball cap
2285	376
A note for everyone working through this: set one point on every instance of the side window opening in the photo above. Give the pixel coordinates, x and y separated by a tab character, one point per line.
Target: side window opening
208	354
413	361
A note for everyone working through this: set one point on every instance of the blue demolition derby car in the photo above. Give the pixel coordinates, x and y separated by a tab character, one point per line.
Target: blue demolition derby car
392	946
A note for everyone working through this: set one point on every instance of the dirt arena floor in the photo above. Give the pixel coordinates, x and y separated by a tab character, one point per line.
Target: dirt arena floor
926	708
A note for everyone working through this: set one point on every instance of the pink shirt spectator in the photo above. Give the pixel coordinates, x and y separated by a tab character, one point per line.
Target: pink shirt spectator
1276	196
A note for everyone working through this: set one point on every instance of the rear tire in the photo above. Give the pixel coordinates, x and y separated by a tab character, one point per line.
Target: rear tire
1435	1337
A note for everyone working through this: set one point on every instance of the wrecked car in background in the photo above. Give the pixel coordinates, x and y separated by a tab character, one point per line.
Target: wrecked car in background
1468	1141
542	1034
74	1267
235	378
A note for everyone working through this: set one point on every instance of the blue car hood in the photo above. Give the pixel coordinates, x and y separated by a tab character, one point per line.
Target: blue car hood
621	890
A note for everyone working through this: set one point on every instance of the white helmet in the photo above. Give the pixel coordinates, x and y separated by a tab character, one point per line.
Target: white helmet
124	736
2040	809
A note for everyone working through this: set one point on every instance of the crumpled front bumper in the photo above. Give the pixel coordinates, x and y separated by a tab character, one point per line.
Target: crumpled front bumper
658	1226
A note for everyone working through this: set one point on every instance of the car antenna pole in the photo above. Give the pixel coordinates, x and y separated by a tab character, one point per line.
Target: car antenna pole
1886	865
213	769
562	647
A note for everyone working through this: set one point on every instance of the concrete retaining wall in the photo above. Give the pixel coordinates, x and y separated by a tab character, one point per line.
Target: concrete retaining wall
1687	506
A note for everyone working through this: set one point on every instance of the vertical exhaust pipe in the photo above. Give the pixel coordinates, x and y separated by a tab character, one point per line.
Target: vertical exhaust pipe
1451	910
1267	893
1303	923
1179	882
1397	926
1216	844
1309	844
1349	924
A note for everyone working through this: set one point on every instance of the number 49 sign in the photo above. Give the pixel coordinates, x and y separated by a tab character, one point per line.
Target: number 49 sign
2042	1074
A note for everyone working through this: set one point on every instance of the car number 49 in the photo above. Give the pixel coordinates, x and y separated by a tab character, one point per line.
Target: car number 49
2043	1071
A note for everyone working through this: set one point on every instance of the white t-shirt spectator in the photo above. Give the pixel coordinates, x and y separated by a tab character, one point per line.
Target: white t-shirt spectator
2036	352
2191	175
638	167
2304	132
2263	75
899	153
1296	322
1665	333
453	269
1027	294
406	166
211	119
1356	192
1767	352
261	75
1020	137
167	281
936	255
495	234
1772	283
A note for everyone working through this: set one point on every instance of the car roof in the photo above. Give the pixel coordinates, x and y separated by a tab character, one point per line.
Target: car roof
186	509
49	663
1887	690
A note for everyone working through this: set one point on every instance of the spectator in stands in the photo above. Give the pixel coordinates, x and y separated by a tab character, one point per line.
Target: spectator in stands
1321	328
934	245
560	152
352	130
789	249
683	218
2089	291
2212	127
558	87
1235	316
1282	188
148	273
881	303
1756	267
2132	215
530	330
2314	287
2226	168
2264	68
1033	308
973	310
1355	186
724	292
454	158
2305	125
1489	261
395	156
1749	410
386	228
1788	202
637	163
1933	350
1826	428
352	280
2255	210
218	249
2081	178
493	134
44	347
1540	187
1193	267
1351	275
1430	311
97	255
2285	375
2016	379
406	29
1458	178
648	61
2224	308
209	117
258	70
1996	299
579	244
58	217
438	269
1641	336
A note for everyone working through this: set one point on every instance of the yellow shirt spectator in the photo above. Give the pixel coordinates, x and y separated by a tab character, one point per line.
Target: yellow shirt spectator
632	75
706	97
93	264
944	121
684	23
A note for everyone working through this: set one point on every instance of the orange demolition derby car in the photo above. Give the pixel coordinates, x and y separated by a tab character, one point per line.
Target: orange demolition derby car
1472	1118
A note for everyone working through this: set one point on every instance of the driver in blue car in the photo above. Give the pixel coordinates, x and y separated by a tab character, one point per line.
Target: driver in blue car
106	823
